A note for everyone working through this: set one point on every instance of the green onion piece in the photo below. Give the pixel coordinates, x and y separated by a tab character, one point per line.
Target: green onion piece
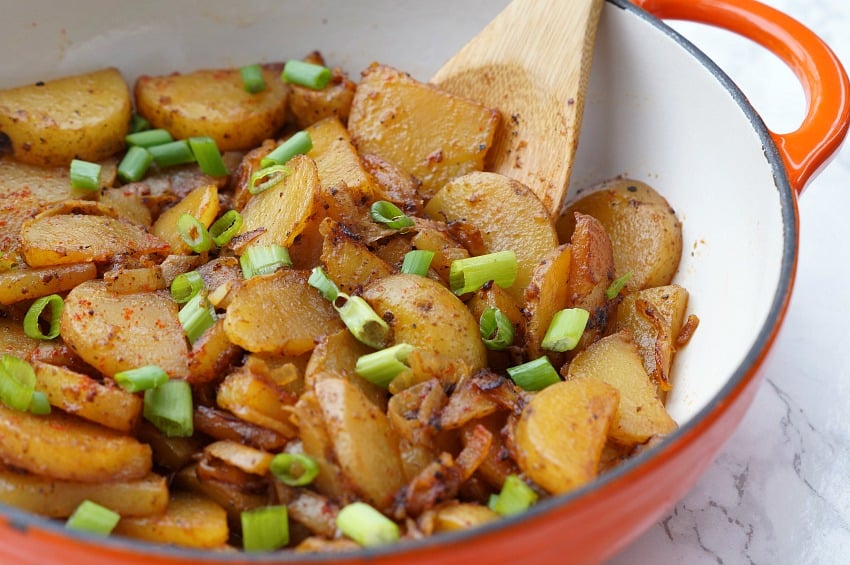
390	215
208	156
141	378
169	408
226	227
93	518
39	405
299	144
196	317
515	498
617	285
363	323
185	286
264	260
172	154
534	375
497	331
381	367
319	280
32	318
138	123
468	275
149	138
268	177
565	330
294	469
417	262
194	233
17	382
306	74
252	78
85	175
366	526
135	164
265	528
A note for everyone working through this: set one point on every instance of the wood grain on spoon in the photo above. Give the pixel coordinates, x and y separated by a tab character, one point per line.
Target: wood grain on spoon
532	62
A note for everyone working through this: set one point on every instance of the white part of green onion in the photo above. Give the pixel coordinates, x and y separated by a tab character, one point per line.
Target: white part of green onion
470	274
565	330
366	526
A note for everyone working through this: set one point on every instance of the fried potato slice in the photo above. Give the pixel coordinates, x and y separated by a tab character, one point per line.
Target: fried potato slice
337	158
257	400
201	203
308	106
190	520
545	295
26	284
349	263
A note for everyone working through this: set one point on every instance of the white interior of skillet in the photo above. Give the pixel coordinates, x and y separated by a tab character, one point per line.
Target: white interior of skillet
653	113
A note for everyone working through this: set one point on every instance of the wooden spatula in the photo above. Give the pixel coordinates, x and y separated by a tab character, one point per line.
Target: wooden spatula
532	62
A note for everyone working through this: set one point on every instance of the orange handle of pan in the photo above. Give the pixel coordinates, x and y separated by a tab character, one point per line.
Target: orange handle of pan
807	149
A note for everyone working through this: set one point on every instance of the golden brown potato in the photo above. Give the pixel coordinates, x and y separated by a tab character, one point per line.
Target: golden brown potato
84	116
545	295
257	400
201	203
25	284
127	204
337	158
462	516
561	432
349	263
279	313
427	315
214	103
243	457
127	281
394	184
508	215
308	106
58	499
211	354
115	332
645	234
430	133
336	355
431	236
317	443
615	360
59	446
189	520
13	340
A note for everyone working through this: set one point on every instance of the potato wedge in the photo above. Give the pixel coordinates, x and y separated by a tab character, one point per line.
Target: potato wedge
645	234
508	215
214	103
337	158
59	446
279	313
561	432
545	295
84	116
434	135
615	360
115	332
26	284
425	314
58	499
189	520
201	203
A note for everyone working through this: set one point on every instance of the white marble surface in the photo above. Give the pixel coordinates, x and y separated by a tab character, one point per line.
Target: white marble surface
779	493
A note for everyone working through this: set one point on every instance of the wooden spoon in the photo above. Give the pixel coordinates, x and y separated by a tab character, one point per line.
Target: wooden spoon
532	62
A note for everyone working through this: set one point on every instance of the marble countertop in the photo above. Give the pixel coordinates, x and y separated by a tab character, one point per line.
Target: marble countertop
779	492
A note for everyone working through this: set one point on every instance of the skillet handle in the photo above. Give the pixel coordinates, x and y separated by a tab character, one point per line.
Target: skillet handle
824	80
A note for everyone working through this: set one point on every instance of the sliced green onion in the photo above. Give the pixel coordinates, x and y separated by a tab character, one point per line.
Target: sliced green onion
264	260
320	280
268	177
39	405
135	164
534	375
185	286
381	367
85	175
363	323
17	382
617	285
366	526
172	154
149	138
208	156
93	518
141	378
299	144
169	408
252	78
265	528
390	215
32	319
468	275
306	74
226	227
417	262
194	233
565	330
515	498
196	317
138	123
497	331
294	469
